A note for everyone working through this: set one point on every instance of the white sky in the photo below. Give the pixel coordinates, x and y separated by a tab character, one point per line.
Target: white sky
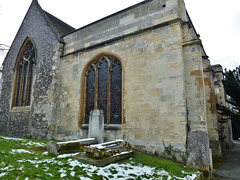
217	21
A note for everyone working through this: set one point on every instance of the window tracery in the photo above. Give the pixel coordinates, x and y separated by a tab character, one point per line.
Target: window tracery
104	89
24	71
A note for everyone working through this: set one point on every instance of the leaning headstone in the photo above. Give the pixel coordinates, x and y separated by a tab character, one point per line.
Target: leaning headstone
69	146
106	153
96	125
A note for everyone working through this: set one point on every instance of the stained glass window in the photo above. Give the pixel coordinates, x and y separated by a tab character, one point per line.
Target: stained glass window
90	91
104	89
24	74
116	93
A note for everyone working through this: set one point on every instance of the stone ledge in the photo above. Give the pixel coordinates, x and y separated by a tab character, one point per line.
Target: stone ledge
21	109
106	127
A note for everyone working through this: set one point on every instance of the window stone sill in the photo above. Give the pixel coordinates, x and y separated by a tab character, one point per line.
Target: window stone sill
21	109
106	127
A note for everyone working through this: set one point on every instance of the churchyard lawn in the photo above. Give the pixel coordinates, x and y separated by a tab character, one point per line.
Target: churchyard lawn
28	159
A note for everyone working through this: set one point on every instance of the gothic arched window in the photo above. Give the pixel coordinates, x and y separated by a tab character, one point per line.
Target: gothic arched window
24	70
103	89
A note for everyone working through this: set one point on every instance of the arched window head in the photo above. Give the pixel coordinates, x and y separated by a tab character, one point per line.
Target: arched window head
24	70
103	89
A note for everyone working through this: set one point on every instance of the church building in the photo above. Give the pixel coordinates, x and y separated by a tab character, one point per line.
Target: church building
144	68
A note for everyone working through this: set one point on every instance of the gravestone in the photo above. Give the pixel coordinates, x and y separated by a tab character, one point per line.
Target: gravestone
66	147
106	153
96	125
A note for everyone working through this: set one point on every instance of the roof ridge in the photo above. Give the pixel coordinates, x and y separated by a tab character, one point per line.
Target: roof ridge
58	27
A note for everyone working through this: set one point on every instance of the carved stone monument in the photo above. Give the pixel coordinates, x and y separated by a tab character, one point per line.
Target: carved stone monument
96	125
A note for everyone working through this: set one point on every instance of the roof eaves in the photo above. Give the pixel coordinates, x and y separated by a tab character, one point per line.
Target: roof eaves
111	15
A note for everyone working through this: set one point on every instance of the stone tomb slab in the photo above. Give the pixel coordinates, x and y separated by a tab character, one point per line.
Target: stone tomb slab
69	146
106	153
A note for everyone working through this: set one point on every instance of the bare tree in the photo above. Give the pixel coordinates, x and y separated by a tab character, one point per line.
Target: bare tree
3	51
4	47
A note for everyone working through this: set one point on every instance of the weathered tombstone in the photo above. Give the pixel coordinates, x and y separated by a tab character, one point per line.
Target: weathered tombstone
69	146
106	153
96	125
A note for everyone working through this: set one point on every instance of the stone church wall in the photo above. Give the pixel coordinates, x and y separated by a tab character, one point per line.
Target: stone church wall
212	123
167	96
34	120
198	147
149	45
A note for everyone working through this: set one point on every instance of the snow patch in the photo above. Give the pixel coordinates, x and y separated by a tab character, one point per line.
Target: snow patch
7	168
66	155
72	173
2	164
3	174
30	143
12	138
80	140
15	151
49	174
125	152
106	144
45	153
63	172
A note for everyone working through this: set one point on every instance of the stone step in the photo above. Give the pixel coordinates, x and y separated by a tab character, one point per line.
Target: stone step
106	153
69	146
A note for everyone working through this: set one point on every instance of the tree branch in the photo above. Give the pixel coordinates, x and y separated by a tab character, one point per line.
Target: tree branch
4	47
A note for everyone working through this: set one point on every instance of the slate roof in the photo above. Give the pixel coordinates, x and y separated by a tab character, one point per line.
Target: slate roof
61	26
58	27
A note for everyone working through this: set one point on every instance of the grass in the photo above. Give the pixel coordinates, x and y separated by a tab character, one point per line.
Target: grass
171	167
25	159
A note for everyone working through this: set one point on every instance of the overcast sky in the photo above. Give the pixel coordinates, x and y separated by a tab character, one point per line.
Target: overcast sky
217	21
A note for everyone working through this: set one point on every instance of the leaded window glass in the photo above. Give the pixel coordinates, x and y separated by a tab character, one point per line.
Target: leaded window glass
90	91
24	74
104	89
116	95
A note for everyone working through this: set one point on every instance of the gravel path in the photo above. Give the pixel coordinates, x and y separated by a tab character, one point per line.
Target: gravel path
230	170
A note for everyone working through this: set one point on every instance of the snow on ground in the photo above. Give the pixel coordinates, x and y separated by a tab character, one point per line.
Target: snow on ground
30	143
12	138
124	170
63	172
66	155
3	174
8	168
15	151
